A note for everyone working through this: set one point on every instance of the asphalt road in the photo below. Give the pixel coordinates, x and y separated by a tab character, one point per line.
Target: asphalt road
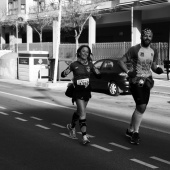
34	137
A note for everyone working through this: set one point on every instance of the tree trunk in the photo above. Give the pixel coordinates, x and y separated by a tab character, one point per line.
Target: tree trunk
41	40
77	43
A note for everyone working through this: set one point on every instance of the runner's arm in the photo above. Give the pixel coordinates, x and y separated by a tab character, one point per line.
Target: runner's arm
66	72
156	69
96	72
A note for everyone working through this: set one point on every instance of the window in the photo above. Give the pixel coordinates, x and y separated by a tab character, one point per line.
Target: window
108	65
98	64
10	7
15	3
22	9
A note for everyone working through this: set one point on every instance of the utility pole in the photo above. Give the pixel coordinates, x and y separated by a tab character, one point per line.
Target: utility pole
57	43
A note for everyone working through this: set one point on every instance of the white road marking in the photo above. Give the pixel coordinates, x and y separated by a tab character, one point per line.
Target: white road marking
90	136
21	119
54	124
43	127
101	147
4	113
161	160
120	146
66	135
17	112
39	101
144	163
1	107
36	118
56	105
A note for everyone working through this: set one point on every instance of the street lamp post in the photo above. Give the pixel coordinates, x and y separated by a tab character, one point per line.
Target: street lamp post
19	20
57	42
16	24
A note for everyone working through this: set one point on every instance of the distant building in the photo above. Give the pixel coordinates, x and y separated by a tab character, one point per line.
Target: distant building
121	20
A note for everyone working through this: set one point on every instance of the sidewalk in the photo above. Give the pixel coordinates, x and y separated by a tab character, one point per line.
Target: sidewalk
62	85
59	85
160	77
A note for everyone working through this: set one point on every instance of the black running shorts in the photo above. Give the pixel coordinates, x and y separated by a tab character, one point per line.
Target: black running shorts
141	95
82	93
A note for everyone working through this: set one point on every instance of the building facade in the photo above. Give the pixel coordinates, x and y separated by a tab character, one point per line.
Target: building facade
121	20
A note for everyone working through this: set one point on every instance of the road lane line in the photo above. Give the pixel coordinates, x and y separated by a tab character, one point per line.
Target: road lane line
39	101
144	163
161	160
21	119
1	107
36	118
17	112
57	125
90	136
43	127
93	113
120	146
101	147
2	113
66	135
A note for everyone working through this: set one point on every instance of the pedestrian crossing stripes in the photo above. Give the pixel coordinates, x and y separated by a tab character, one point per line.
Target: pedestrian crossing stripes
120	146
36	118
101	147
21	119
57	125
41	126
161	160
144	163
2	113
66	135
17	112
1	107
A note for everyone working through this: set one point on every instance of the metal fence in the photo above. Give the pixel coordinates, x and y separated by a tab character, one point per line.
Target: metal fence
99	50
109	50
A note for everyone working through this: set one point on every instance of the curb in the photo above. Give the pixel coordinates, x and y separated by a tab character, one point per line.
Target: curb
161	93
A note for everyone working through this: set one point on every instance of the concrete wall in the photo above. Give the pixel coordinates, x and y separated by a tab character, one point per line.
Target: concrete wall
2	52
8	65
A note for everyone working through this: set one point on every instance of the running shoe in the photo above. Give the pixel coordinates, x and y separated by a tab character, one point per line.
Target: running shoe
135	138
128	133
85	140
72	131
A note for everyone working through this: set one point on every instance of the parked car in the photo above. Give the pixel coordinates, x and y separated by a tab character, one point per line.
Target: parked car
113	78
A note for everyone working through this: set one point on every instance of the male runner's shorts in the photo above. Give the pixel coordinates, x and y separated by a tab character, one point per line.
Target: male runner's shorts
141	95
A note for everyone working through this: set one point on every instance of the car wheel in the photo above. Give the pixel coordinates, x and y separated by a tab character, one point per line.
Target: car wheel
113	89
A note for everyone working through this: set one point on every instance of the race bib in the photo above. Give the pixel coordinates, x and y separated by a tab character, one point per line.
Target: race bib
83	82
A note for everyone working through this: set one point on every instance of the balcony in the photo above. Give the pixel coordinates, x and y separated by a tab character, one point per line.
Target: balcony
43	8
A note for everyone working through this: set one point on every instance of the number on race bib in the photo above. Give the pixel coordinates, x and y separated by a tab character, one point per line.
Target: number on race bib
83	82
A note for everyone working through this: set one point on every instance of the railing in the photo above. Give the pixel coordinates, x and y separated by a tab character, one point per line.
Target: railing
99	50
109	50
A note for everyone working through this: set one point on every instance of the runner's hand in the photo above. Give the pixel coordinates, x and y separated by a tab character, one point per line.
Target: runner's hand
131	74
159	70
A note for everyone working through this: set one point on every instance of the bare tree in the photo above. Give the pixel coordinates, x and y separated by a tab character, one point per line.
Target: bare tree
76	14
42	17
